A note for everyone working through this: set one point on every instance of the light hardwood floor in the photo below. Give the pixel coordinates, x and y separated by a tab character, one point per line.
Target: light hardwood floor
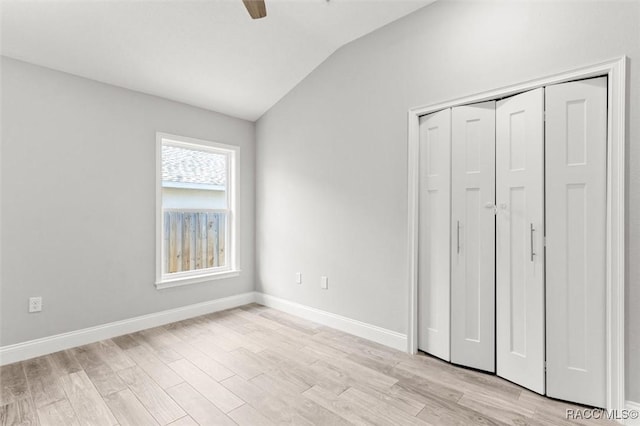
257	366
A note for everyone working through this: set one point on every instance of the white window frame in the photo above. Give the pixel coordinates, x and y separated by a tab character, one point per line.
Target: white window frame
232	268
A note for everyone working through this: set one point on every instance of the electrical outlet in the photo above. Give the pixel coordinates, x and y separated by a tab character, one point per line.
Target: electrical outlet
298	277
35	304
324	283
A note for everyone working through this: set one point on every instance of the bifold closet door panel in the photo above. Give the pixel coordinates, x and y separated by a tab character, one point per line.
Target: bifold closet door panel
435	210
473	236
519	243
576	161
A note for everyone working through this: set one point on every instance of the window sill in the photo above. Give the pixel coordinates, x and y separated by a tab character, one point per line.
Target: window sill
177	282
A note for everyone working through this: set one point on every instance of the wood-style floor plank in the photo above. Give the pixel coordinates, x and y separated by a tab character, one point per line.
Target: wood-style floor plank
385	413
101	374
64	362
186	329
87	403
252	317
291	321
308	409
125	342
19	412
359	373
58	413
549	410
395	396
246	415
198	407
161	406
44	384
340	407
13	383
87	356
128	410
113	356
153	366
229	340
258	366
209	388
504	410
204	362
269	405
446	379
240	361
105	380
160	341
422	386
290	377
184	421
453	414
317	374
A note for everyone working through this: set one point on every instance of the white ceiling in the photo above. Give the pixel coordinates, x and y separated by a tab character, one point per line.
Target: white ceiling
206	53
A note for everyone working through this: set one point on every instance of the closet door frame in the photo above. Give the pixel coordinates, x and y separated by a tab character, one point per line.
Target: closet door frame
615	70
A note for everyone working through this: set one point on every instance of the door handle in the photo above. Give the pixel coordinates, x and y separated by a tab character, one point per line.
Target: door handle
458	237
532	229
491	206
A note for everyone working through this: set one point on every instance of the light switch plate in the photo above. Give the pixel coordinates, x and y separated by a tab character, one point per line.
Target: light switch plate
324	283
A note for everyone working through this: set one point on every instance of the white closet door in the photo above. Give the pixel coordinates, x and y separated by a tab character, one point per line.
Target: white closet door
576	155
519	246
473	236
433	267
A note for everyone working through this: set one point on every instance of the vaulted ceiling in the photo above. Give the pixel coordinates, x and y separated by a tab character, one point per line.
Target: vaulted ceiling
206	53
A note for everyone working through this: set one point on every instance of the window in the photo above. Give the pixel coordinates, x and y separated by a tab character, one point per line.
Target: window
196	210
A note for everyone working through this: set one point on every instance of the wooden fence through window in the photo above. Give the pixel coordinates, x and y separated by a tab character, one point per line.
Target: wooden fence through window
194	240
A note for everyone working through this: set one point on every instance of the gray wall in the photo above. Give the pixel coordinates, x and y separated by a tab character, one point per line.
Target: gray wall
78	201
332	155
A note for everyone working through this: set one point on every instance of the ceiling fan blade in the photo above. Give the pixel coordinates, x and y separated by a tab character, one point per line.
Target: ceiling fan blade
256	8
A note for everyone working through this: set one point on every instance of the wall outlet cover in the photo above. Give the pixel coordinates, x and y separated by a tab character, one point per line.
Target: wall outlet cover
35	304
324	283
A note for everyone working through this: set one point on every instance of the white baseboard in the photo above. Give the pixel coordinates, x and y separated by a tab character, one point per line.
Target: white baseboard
46	345
361	329
633	407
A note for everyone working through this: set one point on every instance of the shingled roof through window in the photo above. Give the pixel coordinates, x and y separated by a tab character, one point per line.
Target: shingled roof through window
191	166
